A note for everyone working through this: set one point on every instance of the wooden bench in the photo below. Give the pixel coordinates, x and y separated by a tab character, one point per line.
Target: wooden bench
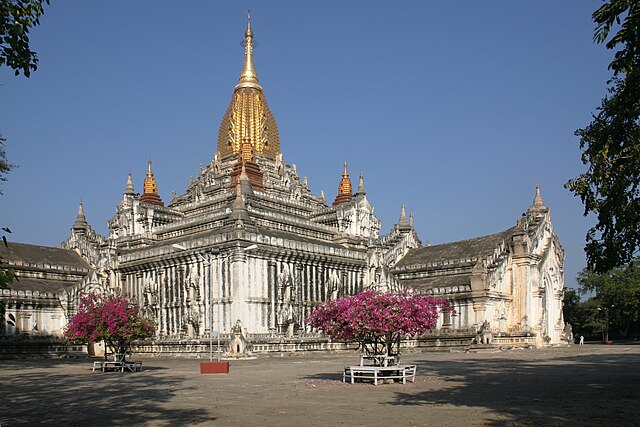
378	373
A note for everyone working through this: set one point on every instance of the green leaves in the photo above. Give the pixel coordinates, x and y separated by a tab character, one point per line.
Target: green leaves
611	146
618	292
17	17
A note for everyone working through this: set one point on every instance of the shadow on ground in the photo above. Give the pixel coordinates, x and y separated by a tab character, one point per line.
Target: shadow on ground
68	393
577	390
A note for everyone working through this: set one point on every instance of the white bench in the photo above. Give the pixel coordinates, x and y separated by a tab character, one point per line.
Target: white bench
378	373
132	366
106	365
380	359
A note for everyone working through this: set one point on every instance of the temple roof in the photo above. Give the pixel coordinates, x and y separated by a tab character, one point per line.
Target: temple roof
248	112
455	251
22	254
423	284
41	285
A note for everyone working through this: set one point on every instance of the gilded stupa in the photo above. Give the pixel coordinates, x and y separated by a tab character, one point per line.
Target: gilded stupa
248	115
150	185
345	188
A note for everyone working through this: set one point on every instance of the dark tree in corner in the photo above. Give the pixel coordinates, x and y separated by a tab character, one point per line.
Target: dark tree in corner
609	188
17	17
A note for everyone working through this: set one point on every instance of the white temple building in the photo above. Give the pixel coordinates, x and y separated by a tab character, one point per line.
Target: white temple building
248	239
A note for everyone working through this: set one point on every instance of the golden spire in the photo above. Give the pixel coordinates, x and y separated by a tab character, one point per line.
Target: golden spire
345	189
248	113
248	76
150	189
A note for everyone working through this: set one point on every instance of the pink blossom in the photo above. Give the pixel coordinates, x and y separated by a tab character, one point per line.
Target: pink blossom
377	317
110	318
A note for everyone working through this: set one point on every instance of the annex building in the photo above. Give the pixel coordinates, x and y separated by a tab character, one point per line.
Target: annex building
250	241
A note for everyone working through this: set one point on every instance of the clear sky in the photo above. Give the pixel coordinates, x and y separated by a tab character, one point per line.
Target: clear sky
454	108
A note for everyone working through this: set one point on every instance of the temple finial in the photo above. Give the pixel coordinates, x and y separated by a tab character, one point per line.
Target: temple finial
345	189
537	200
248	76
81	220
402	222
129	190
150	187
361	191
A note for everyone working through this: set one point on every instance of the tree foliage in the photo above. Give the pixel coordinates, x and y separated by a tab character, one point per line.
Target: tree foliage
588	318
571	307
611	145
618	292
616	298
377	317
111	319
17	17
5	166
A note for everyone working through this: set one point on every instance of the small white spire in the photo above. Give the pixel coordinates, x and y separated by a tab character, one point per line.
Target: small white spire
129	190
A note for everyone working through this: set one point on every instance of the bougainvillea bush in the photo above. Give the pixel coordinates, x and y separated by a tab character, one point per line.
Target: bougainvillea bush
111	319
376	318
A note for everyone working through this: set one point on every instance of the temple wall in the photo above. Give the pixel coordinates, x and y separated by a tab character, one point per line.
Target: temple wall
32	313
267	290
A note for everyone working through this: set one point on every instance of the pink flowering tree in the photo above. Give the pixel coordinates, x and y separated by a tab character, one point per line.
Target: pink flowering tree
378	320
111	319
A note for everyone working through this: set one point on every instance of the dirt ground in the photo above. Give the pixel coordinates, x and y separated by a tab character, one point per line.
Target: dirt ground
591	385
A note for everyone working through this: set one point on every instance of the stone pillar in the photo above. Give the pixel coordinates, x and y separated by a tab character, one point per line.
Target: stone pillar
273	296
171	330
479	312
238	295
300	296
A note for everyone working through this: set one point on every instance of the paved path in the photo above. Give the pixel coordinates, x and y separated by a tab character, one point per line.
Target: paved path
590	385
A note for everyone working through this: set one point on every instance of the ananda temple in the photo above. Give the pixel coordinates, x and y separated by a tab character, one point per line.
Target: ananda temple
249	241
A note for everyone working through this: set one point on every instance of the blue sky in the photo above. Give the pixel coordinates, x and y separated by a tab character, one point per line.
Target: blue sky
455	109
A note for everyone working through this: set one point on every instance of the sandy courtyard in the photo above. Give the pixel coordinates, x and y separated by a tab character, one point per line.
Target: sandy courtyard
583	385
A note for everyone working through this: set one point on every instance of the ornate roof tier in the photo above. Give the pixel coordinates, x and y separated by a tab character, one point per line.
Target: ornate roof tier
248	110
345	189
151	189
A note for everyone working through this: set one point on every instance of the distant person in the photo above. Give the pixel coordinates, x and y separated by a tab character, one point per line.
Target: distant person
581	339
